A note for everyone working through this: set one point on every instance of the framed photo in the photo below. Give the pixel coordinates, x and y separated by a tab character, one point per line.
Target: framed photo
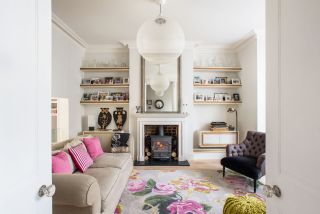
216	80
223	80
125	80
220	97
86	81
109	98
198	97
108	80
94	97
196	80
149	102
86	96
235	81
236	97
95	81
117	80
103	96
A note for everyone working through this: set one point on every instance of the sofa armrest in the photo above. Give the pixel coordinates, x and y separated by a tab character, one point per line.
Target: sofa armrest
235	150
261	160
76	190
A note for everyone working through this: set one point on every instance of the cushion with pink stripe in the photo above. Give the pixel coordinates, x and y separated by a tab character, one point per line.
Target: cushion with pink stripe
80	157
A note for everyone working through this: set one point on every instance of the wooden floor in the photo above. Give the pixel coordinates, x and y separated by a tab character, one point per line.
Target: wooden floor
194	165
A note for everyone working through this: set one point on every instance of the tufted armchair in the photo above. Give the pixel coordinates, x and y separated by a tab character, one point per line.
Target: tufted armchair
248	157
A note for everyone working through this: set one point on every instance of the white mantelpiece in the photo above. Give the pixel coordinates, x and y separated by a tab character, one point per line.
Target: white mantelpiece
162	119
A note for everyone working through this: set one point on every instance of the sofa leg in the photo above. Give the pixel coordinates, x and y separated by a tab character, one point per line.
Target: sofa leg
254	185
224	171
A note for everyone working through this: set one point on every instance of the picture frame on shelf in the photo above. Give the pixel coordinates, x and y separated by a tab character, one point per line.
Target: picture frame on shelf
223	80
95	81
149	102
94	97
108	80
86	96
216	80
86	81
109	98
125	80
236	97
103	96
235	81
198	97
117	80
219	97
196	80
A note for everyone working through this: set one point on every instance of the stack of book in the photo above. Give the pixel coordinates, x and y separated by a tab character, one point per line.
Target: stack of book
219	126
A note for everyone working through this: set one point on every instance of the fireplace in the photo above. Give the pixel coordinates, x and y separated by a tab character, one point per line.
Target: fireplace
161	142
161	147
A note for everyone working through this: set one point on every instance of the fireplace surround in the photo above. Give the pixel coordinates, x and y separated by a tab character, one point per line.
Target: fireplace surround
174	125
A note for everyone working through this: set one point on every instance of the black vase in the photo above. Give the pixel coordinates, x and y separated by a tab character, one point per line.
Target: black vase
104	118
120	117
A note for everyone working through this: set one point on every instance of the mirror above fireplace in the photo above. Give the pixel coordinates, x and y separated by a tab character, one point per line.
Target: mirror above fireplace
160	87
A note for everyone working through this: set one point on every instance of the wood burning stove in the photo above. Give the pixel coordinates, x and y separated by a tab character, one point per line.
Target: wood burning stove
161	146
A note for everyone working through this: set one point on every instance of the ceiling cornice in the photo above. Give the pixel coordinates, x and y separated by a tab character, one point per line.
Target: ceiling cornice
65	28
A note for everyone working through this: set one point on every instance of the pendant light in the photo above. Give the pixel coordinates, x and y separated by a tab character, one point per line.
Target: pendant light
159	83
160	40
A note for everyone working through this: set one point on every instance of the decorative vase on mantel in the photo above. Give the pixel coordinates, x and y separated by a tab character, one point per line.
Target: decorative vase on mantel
104	118
120	117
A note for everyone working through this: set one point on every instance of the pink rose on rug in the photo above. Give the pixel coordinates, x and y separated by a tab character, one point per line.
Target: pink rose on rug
136	185
164	189
185	207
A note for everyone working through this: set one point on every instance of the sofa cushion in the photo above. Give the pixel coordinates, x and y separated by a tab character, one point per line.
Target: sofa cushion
116	160
244	165
73	167
60	163
93	146
80	157
106	177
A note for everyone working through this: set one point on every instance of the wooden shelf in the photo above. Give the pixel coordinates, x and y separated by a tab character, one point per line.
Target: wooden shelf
103	69
218	69
209	150
216	103
104	85
217	85
105	102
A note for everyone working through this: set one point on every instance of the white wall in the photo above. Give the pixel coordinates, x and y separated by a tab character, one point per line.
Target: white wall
247	112
66	76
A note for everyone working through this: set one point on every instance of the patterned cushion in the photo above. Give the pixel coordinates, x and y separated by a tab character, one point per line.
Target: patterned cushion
80	157
119	142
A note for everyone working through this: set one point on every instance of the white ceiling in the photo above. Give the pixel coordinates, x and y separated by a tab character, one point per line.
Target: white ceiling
220	22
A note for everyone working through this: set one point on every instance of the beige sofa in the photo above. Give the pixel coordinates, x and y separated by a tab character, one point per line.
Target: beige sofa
99	189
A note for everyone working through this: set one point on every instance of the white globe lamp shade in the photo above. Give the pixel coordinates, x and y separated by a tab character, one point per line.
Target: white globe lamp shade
160	40
159	83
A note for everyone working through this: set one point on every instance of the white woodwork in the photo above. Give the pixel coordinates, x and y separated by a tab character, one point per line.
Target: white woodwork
25	157
161	119
293	59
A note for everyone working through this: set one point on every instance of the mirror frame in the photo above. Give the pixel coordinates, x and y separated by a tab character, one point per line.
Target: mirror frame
143	90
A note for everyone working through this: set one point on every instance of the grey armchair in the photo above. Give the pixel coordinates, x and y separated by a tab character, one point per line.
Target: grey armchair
248	157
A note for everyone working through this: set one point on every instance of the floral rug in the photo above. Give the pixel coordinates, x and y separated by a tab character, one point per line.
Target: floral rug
182	191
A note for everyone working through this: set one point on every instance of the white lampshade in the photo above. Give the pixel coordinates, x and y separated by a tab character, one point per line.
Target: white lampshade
160	40
159	83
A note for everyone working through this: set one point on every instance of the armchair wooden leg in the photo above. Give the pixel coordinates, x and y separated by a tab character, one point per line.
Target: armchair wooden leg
254	185
224	171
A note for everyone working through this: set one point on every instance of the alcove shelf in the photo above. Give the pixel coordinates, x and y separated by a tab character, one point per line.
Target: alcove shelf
104	69
104	102
218	69
216	103
217	85
104	85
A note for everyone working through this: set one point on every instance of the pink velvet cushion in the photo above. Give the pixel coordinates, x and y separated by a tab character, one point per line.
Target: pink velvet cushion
80	157
93	146
61	164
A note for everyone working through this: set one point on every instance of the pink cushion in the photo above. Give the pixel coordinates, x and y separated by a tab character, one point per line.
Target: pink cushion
61	164
93	146
80	157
